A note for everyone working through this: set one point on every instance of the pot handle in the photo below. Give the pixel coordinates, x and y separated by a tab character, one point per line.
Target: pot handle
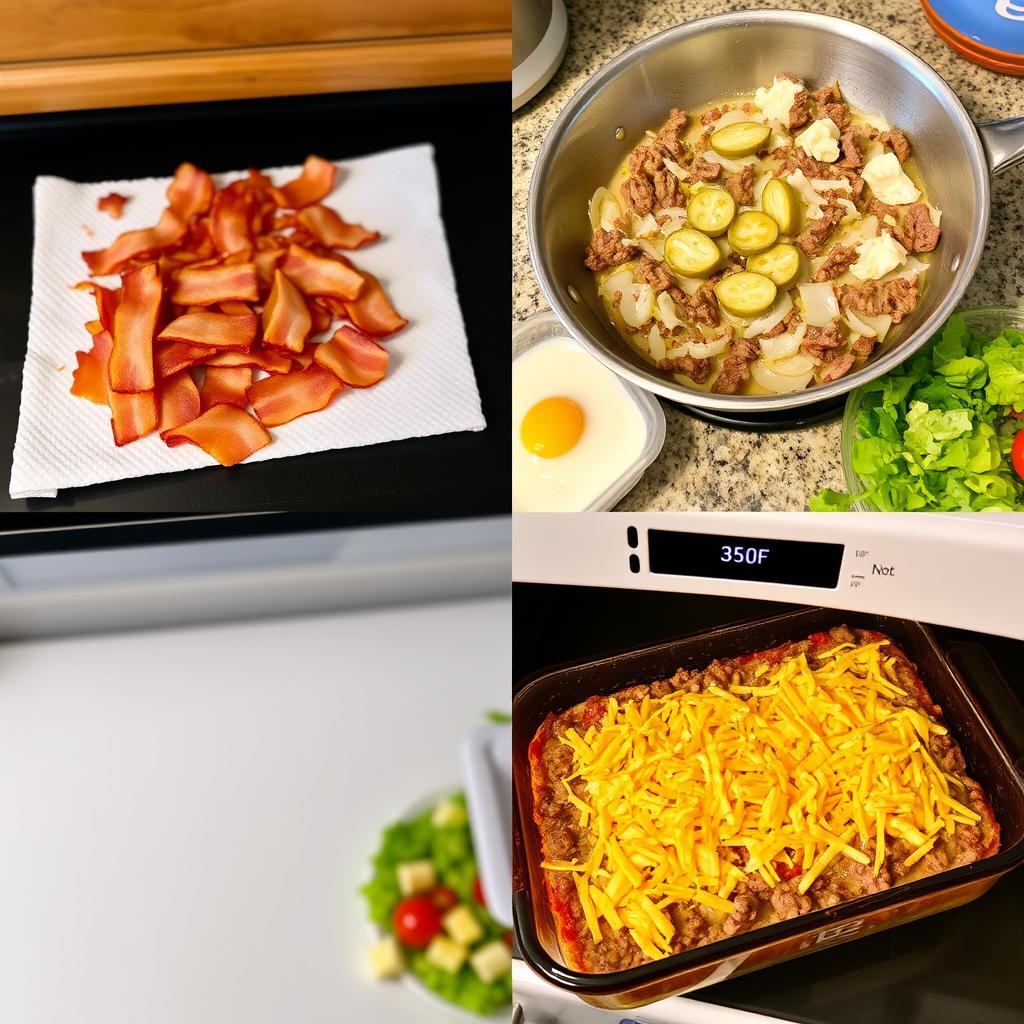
1004	143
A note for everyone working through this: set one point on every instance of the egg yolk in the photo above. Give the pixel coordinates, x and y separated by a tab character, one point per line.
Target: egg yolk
552	427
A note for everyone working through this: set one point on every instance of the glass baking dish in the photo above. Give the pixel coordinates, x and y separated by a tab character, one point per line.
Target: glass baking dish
978	708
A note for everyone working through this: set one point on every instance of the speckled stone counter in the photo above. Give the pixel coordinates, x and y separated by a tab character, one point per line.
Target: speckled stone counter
706	467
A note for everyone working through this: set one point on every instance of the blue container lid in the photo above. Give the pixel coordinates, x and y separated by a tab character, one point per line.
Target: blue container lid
996	25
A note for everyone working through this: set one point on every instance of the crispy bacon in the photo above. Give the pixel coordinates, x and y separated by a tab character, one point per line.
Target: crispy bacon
190	192
206	286
178	355
132	416
267	261
106	301
226	385
373	311
286	318
148	241
321	316
112	204
329	229
261	359
90	378
313	184
217	330
226	432
130	369
281	399
179	401
229	219
318	275
353	357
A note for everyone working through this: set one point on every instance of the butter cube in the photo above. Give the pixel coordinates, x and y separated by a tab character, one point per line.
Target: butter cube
461	924
445	954
416	876
446	813
491	961
385	958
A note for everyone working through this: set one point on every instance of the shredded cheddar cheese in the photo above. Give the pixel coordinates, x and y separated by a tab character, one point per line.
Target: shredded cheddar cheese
801	769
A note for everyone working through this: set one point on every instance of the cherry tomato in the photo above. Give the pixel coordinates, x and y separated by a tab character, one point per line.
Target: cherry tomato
444	898
478	892
508	939
416	921
1017	454
787	872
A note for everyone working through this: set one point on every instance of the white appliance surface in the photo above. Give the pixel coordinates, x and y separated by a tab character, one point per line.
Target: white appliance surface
947	569
189	813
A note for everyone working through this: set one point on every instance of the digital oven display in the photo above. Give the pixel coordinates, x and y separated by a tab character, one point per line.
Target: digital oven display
795	562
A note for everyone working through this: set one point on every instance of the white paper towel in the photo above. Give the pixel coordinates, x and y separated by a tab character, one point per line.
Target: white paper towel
64	441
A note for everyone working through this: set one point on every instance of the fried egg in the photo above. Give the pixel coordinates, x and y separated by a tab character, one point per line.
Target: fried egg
576	430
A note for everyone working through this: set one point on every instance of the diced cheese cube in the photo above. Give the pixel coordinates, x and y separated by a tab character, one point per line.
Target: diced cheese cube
776	102
385	958
415	876
888	181
461	924
447	812
820	140
877	256
445	954
491	961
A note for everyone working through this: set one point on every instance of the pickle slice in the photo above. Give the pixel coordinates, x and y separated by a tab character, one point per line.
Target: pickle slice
752	232
711	210
780	202
781	263
746	294
691	253
740	138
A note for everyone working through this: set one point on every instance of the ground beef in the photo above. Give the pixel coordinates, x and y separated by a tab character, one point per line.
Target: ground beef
838	112
839	367
736	370
852	156
788	324
812	240
638	193
740	186
691	926
897	142
747	907
654	273
704	170
667	140
837	263
947	754
881	210
712	115
819	342
863	346
876	298
667	190
918	233
828	94
608	249
698	370
789	903
702	306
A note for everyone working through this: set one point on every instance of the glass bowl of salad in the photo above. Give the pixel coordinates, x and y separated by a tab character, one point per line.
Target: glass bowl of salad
943	432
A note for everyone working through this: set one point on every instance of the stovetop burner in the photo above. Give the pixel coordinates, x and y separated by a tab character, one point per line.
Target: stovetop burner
773	421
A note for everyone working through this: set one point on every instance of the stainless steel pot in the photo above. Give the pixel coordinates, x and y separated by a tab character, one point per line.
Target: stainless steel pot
731	54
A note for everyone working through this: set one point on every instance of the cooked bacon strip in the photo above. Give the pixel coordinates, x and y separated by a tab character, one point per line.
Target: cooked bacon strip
329	229
132	416
278	400
146	242
234	308
130	369
226	432
226	385
302	359
313	184
353	357
230	228
112	204
179	355
106	300
94	326
179	401
373	311
90	378
267	261
190	192
321	315
217	330
206	286
318	275
261	359
286	318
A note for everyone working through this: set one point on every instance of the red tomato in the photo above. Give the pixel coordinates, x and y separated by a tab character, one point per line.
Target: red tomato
416	921
478	892
444	898
508	939
786	872
1017	454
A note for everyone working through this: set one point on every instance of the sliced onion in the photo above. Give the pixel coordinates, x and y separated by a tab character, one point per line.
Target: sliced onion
795	365
656	344
604	210
830	184
879	324
862	230
772	318
679	171
935	213
690	285
820	304
876	121
676	219
732	166
737	115
759	187
911	268
707	349
783	346
777	383
856	324
637	305
645	226
806	192
667	309
851	210
620	281
653	247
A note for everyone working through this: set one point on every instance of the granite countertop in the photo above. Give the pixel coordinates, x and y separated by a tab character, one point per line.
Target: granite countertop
708	467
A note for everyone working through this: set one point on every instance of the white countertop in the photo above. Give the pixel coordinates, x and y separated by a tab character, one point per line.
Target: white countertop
188	814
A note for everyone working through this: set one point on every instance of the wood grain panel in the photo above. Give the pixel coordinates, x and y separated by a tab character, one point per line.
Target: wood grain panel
55	29
248	73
